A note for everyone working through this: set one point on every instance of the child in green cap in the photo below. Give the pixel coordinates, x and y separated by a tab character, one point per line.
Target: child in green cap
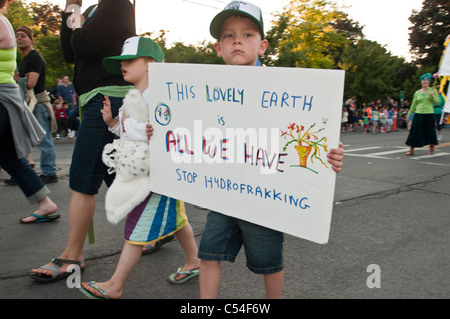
156	216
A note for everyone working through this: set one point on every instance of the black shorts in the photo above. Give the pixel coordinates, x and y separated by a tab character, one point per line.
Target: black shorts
87	170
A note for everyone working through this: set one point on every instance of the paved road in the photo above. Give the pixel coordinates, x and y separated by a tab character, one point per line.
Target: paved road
390	210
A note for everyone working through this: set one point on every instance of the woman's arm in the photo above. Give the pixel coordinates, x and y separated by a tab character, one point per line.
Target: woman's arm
110	21
68	25
413	105
7	37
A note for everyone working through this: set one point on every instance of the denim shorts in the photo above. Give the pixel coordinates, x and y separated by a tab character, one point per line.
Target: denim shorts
87	170
224	236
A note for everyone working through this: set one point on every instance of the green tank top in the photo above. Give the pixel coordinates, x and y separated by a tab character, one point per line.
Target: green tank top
7	65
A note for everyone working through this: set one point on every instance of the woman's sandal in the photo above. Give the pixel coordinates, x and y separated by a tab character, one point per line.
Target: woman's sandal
57	274
41	219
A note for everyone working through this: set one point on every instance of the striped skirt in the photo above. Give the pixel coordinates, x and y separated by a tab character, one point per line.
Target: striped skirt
158	216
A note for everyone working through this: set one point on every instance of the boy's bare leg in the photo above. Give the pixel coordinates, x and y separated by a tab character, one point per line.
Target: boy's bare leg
114	286
274	285
209	279
187	240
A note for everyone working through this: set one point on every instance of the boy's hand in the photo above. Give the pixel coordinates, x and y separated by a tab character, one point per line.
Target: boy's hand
335	157
149	129
106	112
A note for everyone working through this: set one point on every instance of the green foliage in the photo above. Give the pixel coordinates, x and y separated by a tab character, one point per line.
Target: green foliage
203	53
431	25
316	34
371	72
50	48
44	20
307	33
18	14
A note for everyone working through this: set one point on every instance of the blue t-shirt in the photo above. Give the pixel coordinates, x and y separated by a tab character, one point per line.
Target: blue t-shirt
66	92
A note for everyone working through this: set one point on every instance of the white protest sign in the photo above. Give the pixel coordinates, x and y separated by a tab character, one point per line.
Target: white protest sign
248	142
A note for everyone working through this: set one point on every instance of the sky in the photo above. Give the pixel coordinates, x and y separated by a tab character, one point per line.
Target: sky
187	21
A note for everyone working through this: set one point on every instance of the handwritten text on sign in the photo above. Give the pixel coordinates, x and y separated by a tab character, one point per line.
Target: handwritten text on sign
249	142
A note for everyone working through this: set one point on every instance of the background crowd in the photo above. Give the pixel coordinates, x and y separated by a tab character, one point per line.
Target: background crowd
386	116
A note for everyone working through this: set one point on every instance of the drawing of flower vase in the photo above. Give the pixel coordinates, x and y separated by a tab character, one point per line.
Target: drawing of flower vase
308	144
303	153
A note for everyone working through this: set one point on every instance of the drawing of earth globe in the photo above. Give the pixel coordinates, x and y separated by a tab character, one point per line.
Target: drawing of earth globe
163	114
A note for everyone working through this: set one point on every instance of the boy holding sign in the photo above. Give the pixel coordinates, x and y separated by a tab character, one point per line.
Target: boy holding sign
239	30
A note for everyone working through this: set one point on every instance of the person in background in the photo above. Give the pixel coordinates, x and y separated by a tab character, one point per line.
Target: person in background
383	120
344	120
34	68
365	122
438	113
375	119
61	117
19	131
423	131
66	92
54	90
351	109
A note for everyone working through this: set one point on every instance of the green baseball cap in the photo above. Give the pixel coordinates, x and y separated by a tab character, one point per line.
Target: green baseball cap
236	7
134	47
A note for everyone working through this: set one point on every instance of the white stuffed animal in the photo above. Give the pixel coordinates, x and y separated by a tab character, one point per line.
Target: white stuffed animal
130	160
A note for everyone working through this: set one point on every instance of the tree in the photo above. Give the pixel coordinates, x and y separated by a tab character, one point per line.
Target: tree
46	17
431	25
204	52
18	15
371	71
45	21
50	48
307	34
208	53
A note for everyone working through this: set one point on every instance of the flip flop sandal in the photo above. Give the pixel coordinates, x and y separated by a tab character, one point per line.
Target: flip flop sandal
57	274
41	219
190	274
89	294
